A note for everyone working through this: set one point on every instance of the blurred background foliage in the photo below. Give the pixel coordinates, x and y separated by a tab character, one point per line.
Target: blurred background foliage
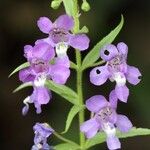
18	27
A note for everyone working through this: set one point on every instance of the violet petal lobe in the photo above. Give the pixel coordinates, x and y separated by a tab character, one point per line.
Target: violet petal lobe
63	61
113	99
99	75
79	41
59	74
108	52
122	93
113	143
123	49
64	21
95	103
41	95
133	75
28	51
44	24
123	123
90	127
26	75
43	51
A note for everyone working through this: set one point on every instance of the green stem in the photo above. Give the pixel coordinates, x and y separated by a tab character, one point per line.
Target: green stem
64	139
79	73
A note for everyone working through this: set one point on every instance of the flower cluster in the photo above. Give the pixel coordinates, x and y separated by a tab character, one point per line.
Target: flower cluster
48	58
105	117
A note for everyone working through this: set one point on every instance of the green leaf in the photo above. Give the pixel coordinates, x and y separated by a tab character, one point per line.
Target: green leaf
66	146
68	4
101	137
22	86
63	91
93	55
72	113
22	66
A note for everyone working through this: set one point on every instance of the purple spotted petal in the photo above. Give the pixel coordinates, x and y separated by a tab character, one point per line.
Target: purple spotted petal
113	99
79	41
63	61
99	75
108	52
133	75
59	74
122	93
95	103
26	75
90	128
44	24
41	95
43	51
123	123
64	21
123	49
113	143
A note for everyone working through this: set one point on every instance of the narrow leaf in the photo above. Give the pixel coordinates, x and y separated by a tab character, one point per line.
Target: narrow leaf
22	66
68	4
63	91
22	86
66	146
93	55
101	137
73	65
72	113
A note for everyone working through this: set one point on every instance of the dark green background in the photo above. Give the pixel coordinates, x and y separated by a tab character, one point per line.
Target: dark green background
18	27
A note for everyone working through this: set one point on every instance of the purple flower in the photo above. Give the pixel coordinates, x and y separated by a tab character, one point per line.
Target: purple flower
105	119
42	132
59	35
116	69
39	71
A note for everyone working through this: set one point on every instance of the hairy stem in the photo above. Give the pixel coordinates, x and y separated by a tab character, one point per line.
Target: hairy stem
79	72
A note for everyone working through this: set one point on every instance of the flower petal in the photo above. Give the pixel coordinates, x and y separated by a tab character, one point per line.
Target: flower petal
133	75
41	95
122	93
26	75
108	52
63	61
123	123
113	99
59	74
79	41
43	51
90	127
28	51
123	49
44	24
99	75
113	143
46	40
95	103
64	21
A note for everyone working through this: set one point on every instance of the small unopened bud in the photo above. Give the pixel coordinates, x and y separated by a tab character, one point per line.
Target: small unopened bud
55	4
85	6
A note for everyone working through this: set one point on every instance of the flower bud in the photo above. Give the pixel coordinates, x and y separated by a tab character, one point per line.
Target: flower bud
55	4
85	6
